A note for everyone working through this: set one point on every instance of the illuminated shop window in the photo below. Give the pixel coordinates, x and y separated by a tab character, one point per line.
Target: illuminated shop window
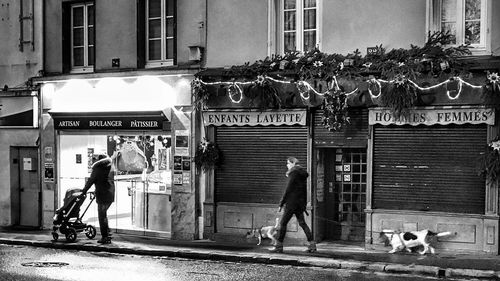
82	37
160	32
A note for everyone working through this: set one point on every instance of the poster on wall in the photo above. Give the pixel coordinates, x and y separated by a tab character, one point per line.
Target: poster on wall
177	178
49	173
182	143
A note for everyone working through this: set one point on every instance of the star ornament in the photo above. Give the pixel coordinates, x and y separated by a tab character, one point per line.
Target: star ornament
400	80
493	78
318	63
495	145
260	80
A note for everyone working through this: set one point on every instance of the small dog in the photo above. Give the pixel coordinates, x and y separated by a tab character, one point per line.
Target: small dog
408	240
265	232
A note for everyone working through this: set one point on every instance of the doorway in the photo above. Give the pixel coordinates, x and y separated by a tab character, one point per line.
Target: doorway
345	193
25	187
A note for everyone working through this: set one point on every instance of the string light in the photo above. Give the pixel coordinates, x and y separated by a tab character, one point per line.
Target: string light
305	88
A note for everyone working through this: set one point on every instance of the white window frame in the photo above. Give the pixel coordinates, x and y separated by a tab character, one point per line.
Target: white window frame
86	67
276	29
434	24
163	18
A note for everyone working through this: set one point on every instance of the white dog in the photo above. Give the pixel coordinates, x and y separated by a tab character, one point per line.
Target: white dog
265	232
408	240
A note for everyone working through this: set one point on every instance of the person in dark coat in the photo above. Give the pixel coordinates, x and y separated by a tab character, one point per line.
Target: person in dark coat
102	177
295	201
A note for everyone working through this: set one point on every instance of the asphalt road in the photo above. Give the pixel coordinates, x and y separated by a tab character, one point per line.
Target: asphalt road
21	263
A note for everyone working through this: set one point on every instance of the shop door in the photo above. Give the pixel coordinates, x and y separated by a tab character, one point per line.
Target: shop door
345	189
26	162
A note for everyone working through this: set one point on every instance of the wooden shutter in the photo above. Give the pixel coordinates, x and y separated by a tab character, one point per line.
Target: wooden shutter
429	168
254	164
354	134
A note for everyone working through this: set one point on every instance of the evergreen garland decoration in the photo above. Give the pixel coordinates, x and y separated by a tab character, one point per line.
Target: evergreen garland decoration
491	89
491	164
399	96
207	156
335	111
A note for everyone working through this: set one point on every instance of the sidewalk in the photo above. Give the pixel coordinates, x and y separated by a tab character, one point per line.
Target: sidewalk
329	255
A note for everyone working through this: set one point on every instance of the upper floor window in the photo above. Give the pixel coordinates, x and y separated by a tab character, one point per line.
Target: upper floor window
160	32
299	25
82	37
466	20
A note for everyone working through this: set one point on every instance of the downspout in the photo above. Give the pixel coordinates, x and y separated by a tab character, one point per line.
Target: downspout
40	110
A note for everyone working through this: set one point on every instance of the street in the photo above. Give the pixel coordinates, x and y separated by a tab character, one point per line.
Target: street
30	263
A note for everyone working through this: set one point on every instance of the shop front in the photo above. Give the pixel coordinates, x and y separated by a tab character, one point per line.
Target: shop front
138	121
141	142
425	175
248	185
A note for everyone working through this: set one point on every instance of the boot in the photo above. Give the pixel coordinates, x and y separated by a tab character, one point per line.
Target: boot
278	248
311	248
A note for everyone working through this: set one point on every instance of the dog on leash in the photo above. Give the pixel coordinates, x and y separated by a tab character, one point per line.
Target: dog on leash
407	240
265	232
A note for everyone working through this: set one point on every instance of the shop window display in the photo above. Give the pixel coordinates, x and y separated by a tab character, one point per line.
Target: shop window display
142	176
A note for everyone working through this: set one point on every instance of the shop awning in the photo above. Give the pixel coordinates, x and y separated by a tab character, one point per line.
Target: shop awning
142	121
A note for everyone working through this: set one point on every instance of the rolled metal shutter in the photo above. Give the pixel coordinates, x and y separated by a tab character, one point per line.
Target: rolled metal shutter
354	134
254	165
429	168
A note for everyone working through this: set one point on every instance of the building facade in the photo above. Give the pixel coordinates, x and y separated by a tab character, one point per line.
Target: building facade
118	80
19	112
386	146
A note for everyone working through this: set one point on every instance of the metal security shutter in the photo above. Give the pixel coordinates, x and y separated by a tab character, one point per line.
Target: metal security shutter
354	134
430	168
254	165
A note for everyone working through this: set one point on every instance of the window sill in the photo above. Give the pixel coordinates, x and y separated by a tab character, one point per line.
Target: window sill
157	64
88	69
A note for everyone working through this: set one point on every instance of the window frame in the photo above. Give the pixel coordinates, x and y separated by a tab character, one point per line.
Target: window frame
86	66
163	61
277	26
434	21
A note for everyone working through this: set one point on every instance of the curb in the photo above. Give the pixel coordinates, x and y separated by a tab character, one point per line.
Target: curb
278	259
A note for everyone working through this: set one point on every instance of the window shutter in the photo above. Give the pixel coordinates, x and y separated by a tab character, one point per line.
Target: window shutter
66	37
429	168
141	33
254	162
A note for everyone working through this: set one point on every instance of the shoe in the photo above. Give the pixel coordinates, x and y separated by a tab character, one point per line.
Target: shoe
104	240
278	248
311	248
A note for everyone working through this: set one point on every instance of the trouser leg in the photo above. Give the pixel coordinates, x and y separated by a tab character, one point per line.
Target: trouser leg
102	209
302	223
285	218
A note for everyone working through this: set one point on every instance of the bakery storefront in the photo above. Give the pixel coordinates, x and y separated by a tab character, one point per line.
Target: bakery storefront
146	129
425	175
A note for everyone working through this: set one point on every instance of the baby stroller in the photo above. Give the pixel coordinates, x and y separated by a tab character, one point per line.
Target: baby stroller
68	220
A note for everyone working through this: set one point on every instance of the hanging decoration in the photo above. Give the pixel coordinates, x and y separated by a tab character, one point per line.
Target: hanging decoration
396	84
207	156
491	164
335	113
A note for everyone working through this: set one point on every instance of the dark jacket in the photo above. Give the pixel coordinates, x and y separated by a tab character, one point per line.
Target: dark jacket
295	196
103	178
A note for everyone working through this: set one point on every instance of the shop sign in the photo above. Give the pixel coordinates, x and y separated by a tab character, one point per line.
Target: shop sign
441	116
254	118
109	123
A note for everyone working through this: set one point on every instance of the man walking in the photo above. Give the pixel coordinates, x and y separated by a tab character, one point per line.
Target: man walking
295	200
103	178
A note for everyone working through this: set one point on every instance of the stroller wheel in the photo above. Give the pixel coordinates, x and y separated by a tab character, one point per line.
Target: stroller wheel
55	236
90	231
71	235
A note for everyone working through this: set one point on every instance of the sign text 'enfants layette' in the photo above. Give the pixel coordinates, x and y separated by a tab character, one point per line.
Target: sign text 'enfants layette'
432	116
254	118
